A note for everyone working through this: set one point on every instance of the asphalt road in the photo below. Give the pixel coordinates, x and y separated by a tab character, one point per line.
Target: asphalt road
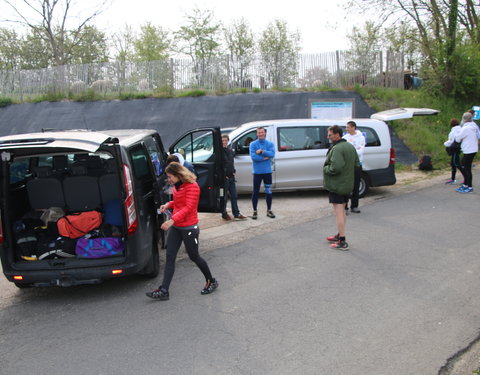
402	301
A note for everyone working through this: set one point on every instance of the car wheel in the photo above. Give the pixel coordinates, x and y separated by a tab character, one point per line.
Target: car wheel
153	267
364	185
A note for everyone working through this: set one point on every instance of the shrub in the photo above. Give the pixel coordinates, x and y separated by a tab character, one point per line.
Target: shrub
4	101
192	93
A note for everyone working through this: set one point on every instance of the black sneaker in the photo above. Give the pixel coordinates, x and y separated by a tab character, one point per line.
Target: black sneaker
340	245
210	286
270	214
159	294
255	215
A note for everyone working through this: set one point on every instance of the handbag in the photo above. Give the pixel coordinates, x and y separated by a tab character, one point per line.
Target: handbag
99	247
78	225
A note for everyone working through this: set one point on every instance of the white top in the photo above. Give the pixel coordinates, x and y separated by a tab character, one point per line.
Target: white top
451	136
468	136
358	141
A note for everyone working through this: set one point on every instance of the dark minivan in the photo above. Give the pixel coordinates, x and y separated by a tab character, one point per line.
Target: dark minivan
119	173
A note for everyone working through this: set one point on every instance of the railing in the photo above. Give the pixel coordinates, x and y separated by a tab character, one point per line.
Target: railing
340	69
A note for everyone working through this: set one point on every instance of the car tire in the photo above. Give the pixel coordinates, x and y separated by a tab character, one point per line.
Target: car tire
364	185
152	269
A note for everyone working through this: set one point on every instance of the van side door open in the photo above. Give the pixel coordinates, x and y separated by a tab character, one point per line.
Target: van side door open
203	148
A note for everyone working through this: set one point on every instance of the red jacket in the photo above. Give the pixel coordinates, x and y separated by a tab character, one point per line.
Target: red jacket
185	204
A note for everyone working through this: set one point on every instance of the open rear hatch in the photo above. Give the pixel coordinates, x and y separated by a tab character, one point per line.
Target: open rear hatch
403	113
49	175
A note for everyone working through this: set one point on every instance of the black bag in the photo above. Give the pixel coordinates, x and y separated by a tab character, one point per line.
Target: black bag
425	163
27	242
51	248
454	147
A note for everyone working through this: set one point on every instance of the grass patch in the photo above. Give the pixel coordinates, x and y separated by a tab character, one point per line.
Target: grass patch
49	97
193	93
4	101
86	96
131	96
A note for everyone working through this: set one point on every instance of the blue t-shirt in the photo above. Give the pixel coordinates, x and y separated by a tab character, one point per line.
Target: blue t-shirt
260	165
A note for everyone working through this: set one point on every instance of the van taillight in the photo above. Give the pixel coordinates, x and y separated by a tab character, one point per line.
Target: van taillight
392	156
131	212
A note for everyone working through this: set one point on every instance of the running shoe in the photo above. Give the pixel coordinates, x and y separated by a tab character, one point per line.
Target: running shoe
339	245
466	190
159	294
333	238
450	182
270	214
461	189
255	215
210	286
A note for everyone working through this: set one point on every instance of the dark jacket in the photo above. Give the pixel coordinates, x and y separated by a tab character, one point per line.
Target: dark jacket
339	168
228	162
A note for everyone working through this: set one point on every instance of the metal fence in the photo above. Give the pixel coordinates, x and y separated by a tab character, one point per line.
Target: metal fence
340	69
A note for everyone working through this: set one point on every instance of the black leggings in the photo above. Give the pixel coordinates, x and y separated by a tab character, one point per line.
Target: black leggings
267	184
466	170
190	239
455	163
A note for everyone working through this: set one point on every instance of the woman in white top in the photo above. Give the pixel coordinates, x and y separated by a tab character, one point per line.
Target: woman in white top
468	137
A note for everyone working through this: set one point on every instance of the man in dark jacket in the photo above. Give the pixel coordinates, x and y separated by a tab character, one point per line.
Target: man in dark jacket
230	187
338	179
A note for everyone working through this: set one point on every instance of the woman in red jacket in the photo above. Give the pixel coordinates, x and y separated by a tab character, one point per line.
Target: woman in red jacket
183	226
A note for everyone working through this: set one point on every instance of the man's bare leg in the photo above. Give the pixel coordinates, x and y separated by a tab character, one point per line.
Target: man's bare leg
341	218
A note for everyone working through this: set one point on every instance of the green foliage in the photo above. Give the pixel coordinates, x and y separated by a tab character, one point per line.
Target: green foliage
90	47
5	101
164	92
192	93
279	49
49	97
131	96
89	95
200	35
152	44
423	135
256	90
467	72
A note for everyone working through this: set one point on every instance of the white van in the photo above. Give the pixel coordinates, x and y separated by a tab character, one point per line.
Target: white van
301	147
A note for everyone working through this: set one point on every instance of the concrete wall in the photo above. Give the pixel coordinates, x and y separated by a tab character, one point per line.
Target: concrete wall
171	117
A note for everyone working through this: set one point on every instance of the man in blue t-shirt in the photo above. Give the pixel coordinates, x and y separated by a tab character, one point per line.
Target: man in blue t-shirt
262	152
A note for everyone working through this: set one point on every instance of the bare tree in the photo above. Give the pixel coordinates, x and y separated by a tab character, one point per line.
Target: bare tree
57	22
442	26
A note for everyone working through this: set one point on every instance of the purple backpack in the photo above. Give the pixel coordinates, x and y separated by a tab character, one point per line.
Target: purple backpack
99	247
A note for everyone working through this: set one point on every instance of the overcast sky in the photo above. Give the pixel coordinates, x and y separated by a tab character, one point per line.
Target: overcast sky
322	24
